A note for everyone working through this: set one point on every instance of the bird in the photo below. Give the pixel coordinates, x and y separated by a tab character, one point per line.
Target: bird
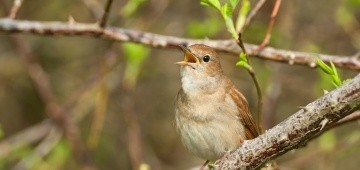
212	117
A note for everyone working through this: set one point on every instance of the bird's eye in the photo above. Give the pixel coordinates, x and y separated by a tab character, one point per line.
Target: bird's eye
206	58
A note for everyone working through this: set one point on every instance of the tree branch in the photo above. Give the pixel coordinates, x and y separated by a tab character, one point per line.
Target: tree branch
254	12
350	118
296	130
274	13
161	41
15	8
105	16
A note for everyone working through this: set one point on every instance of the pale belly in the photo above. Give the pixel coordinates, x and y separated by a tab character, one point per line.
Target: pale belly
210	139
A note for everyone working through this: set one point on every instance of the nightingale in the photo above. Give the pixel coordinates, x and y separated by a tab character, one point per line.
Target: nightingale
212	117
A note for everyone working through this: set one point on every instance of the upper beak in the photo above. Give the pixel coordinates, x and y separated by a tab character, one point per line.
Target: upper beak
189	57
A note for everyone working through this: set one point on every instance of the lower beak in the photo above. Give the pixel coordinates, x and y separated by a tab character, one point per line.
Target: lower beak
189	57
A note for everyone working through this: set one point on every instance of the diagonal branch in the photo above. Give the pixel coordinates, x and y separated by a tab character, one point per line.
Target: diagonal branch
105	16
253	12
15	8
274	13
350	118
296	130
162	41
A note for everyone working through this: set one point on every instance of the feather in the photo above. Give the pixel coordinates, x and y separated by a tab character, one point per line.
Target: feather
250	126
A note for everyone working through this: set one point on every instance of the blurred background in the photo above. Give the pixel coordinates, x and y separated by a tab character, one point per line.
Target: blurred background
121	95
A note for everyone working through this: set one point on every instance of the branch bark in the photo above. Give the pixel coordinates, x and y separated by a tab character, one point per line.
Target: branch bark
161	41
297	130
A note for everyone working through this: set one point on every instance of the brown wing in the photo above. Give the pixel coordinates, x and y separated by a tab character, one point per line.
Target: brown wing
251	130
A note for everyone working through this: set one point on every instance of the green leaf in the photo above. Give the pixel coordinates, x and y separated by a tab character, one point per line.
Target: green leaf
244	10
131	7
230	27
234	3
345	81
213	3
334	69
227	11
135	55
324	67
336	81
244	64
242	57
243	61
134	52
336	77
245	7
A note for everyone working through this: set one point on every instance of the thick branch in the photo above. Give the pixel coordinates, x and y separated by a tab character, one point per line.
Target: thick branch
298	129
161	41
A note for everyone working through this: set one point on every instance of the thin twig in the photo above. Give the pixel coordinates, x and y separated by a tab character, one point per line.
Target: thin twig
162	41
251	71
253	13
15	8
350	118
105	16
270	26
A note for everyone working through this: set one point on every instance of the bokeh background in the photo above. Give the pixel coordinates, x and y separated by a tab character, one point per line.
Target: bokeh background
122	95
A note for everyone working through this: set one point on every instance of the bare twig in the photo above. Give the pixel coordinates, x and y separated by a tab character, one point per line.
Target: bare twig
270	26
253	13
350	118
296	130
105	16
161	41
15	8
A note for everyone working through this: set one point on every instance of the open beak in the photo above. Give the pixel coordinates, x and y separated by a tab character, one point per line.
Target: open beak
189	57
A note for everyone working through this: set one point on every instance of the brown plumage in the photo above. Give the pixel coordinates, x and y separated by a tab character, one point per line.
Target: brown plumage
212	117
